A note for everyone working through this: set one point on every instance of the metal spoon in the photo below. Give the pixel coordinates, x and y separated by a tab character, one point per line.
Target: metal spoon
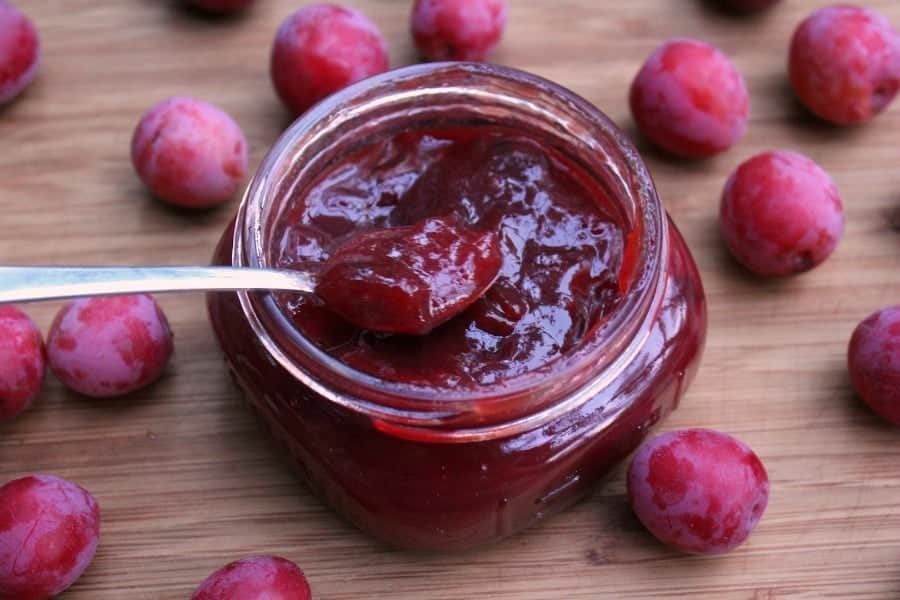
29	284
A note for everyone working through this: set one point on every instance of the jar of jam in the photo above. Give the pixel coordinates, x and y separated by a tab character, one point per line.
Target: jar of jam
515	408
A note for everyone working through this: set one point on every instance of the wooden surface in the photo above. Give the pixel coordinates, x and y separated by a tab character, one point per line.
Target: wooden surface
185	481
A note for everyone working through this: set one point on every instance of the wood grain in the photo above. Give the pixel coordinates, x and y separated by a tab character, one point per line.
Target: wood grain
184	479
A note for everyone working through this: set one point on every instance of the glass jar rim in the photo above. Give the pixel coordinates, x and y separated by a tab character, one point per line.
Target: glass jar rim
483	411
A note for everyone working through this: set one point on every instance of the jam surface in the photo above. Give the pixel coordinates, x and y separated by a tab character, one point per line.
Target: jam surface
562	243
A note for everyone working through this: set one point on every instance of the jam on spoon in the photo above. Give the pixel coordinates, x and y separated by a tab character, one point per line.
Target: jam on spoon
410	279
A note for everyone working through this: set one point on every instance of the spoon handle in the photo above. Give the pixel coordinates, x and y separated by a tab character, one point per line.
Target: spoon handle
28	284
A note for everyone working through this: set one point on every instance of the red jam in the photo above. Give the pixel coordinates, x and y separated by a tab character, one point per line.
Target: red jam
412	278
523	399
561	245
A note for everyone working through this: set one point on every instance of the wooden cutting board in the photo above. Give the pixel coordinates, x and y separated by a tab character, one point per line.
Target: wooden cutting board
187	484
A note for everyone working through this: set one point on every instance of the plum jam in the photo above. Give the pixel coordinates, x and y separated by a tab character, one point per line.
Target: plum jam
549	315
560	241
409	279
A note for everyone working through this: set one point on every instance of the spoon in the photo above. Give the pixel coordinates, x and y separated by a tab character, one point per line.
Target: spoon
33	283
403	280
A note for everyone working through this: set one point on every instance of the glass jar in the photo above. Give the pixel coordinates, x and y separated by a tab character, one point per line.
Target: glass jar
456	469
